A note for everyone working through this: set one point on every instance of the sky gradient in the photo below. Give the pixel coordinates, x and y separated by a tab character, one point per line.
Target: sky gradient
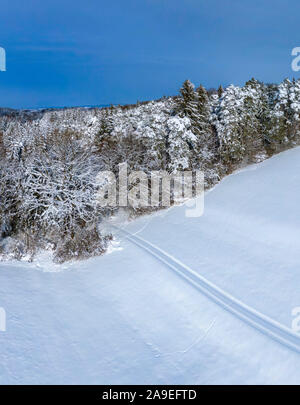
93	52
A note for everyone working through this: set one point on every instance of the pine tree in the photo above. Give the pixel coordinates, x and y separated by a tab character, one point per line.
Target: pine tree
227	120
254	118
189	105
205	144
203	110
274	131
102	138
288	109
220	91
180	142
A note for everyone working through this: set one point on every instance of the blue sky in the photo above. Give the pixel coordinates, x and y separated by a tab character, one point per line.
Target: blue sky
70	53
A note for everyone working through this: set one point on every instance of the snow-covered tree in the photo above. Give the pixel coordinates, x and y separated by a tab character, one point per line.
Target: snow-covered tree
228	122
50	195
255	116
220	91
203	118
288	109
180	141
189	105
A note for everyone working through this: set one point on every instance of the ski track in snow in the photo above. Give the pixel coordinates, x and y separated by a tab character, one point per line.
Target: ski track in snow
259	321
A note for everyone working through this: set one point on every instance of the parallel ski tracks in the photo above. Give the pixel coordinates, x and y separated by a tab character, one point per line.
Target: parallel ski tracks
256	319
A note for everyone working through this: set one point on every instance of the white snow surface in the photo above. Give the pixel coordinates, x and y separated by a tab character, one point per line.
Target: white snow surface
126	318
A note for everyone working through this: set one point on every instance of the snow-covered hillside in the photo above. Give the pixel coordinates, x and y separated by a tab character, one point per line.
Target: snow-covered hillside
128	318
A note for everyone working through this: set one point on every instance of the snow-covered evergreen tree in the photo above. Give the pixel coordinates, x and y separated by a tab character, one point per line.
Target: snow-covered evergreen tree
255	117
189	105
228	118
203	118
220	91
180	142
288	109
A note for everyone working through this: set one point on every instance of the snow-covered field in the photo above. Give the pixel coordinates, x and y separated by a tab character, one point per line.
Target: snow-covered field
128	318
